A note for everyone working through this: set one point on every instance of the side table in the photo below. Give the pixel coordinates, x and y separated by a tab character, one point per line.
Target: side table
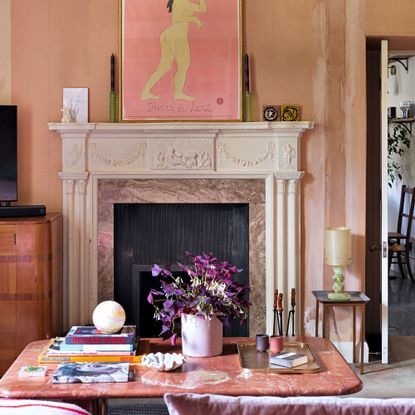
358	299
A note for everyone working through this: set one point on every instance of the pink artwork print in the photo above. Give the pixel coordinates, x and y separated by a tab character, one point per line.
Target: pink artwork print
180	60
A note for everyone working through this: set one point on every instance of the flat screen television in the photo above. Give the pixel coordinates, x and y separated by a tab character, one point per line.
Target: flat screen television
8	153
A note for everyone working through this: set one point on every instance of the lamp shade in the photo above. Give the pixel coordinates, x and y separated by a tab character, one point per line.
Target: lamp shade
338	246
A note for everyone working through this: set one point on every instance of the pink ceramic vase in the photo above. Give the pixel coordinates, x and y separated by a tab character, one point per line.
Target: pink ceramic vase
200	337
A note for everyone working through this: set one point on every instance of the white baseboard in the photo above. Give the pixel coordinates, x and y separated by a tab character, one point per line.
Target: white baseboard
346	350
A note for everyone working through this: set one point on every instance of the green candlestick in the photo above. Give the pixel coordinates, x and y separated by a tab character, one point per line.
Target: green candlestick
112	106
247	106
247	91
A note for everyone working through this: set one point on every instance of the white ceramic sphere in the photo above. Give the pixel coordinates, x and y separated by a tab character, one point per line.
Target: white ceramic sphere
108	316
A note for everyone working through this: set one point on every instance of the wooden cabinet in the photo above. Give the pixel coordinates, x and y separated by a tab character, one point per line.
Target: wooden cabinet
30	283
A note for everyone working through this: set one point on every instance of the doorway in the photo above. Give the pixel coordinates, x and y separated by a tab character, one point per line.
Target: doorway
401	87
401	102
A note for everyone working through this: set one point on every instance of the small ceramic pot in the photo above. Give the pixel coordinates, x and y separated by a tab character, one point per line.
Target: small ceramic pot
200	337
276	344
262	342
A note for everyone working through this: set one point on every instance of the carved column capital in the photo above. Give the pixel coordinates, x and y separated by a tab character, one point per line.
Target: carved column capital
284	175
81	186
74	182
69	186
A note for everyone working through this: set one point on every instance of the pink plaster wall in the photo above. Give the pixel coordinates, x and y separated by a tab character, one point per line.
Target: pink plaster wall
56	44
306	52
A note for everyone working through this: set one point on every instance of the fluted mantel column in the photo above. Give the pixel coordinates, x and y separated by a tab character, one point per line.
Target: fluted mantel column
75	275
287	241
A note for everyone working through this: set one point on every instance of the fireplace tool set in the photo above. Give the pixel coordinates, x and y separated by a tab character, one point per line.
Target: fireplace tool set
277	328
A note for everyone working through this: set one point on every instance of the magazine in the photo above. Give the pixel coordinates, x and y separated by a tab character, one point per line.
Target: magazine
91	372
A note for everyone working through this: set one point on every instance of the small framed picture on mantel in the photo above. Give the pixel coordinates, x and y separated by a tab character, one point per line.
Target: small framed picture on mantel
75	103
180	60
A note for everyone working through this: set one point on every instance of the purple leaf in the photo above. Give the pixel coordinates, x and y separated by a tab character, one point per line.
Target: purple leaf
156	270
168	304
173	339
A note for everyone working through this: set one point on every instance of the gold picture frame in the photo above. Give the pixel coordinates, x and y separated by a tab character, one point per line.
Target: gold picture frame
182	62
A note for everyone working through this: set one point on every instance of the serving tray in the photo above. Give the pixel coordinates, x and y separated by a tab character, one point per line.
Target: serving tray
252	360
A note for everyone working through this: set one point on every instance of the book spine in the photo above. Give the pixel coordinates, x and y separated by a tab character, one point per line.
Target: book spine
88	353
69	339
44	360
98	348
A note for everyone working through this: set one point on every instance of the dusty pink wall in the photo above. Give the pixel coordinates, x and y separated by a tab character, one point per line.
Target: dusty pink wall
5	52
307	52
295	59
56	44
388	17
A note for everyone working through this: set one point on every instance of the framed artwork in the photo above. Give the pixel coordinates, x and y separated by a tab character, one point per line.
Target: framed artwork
180	60
75	101
290	112
270	112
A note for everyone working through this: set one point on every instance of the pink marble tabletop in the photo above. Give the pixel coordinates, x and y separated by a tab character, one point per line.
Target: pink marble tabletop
216	375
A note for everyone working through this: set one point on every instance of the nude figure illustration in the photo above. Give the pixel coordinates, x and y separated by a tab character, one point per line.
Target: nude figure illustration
174	47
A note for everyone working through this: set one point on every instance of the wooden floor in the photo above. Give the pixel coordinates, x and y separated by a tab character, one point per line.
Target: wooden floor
401	307
395	380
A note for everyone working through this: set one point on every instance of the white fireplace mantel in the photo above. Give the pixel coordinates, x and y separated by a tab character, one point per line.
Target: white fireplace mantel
178	150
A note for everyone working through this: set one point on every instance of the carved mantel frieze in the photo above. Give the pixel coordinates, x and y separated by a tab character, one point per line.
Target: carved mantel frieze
184	147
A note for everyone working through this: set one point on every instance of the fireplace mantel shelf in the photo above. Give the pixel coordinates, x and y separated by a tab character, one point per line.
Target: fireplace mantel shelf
165	127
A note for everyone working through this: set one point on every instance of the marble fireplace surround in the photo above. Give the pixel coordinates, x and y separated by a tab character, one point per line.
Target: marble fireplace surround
251	191
256	163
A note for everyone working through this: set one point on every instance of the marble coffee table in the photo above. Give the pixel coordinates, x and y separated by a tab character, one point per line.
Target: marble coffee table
216	375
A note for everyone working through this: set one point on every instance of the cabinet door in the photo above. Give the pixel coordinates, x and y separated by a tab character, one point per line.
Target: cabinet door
33	282
8	335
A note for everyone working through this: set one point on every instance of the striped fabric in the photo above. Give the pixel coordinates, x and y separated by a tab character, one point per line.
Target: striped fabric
32	407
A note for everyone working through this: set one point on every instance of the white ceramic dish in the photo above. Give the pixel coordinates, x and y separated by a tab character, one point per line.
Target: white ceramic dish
164	362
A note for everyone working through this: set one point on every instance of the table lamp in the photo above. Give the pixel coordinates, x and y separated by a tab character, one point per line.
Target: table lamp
338	253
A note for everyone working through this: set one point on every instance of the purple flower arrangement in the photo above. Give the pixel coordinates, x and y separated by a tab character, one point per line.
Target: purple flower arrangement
209	292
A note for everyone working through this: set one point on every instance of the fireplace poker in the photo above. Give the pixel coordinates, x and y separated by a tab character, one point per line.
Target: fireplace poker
291	314
280	310
275	311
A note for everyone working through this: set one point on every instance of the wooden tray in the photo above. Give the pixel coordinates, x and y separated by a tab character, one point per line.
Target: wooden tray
252	360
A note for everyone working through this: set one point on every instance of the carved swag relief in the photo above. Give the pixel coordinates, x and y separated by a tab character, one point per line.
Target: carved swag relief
108	160
241	162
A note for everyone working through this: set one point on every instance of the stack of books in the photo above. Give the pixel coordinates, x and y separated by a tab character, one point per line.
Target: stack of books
87	344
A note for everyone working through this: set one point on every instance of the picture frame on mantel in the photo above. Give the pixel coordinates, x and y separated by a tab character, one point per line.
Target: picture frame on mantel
180	60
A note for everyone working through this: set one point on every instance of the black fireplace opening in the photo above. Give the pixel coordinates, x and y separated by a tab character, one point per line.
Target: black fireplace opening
161	233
